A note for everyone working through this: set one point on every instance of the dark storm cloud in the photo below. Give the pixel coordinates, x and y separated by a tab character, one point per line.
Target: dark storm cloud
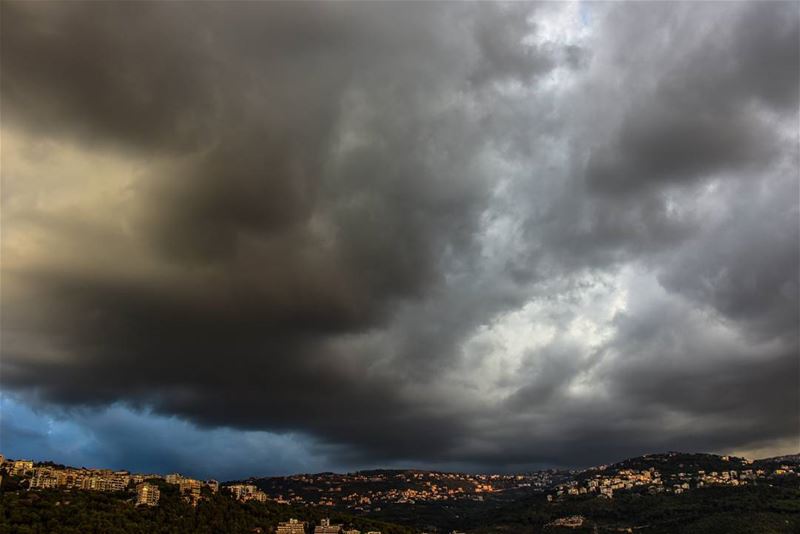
428	232
111	438
115	79
700	115
502	56
252	288
745	266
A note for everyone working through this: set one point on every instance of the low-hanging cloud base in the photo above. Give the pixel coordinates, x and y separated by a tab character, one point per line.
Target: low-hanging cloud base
449	234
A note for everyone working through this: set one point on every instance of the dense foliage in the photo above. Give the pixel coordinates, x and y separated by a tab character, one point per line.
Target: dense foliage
760	509
752	509
769	506
90	512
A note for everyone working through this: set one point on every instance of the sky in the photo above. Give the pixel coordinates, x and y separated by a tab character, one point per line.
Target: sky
265	238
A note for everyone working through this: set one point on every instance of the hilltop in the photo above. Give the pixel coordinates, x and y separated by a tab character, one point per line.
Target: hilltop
664	492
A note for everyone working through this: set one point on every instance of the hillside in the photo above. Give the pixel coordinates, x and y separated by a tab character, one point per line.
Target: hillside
658	493
427	500
761	496
754	509
89	512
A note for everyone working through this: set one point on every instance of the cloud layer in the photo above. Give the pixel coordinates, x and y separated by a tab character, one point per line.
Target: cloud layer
473	234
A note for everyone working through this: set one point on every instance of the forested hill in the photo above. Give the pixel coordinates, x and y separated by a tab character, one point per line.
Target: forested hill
89	512
758	497
714	510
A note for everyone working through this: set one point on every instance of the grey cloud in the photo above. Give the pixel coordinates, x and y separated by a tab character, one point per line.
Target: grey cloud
503	54
664	146
331	201
701	113
267	239
652	130
745	266
111	81
667	363
552	374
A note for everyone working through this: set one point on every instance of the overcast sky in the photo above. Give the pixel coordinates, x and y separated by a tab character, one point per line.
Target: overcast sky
260	238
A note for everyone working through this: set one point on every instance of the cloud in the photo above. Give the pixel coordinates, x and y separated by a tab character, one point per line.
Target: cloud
703	111
111	438
442	234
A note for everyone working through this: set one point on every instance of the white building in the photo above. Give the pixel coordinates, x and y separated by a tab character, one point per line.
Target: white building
293	526
147	494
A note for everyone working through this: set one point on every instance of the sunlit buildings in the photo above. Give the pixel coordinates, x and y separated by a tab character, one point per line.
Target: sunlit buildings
147	494
21	467
293	526
43	479
325	527
247	492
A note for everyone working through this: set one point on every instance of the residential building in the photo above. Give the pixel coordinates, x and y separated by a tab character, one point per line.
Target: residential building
20	467
43	479
247	492
293	526
325	527
190	489
147	494
173	478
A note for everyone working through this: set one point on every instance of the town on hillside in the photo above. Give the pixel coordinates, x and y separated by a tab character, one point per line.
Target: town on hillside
603	481
397	495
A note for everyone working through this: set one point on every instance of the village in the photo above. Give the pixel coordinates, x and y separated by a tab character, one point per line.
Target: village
652	481
327	503
370	491
356	491
50	476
